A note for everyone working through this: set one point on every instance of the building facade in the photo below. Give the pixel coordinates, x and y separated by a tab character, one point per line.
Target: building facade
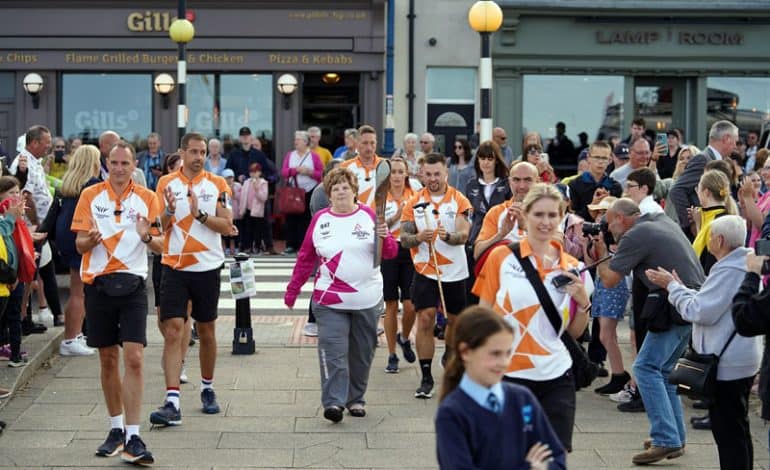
597	65
98	61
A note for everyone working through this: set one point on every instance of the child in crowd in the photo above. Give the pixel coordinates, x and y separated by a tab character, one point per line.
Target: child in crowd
483	422
252	210
11	208
229	243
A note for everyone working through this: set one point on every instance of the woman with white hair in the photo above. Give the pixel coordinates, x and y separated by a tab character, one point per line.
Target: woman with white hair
301	168
709	311
410	153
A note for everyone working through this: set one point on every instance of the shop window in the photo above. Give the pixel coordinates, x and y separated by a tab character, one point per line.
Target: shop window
220	104
584	103
745	101
7	90
94	103
451	97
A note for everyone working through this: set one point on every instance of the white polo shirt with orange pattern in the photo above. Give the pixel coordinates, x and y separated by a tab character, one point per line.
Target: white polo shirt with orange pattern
493	223
189	245
391	208
366	179
115	216
538	352
453	265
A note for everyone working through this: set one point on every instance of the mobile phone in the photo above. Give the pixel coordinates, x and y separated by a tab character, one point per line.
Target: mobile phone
762	248
662	139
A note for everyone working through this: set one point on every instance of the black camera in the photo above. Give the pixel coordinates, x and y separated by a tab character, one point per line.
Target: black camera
762	248
561	280
591	228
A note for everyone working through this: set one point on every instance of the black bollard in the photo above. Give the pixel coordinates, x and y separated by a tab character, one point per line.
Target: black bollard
243	339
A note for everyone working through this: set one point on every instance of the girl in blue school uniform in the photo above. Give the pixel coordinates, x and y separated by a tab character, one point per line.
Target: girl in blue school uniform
482	422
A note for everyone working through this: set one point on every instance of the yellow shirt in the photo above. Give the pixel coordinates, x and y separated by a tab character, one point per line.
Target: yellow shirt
324	154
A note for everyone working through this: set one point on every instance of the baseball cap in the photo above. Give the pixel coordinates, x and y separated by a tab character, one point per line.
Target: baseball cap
244	131
228	173
603	205
621	151
583	154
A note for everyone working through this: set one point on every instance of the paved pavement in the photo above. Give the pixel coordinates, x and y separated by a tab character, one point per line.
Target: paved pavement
271	416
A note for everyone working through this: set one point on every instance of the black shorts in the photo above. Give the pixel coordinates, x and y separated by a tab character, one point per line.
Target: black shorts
397	275
425	294
179	287
157	270
115	320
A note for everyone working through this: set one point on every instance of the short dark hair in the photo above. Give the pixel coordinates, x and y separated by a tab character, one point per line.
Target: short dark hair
36	133
191	136
643	177
366	129
432	158
639	121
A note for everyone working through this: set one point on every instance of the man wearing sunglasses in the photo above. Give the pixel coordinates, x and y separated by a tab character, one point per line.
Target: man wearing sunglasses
501	139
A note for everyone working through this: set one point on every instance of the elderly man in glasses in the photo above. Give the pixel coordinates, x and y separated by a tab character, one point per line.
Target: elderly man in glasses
501	139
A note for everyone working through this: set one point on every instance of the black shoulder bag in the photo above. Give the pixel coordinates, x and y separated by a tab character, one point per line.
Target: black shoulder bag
584	371
695	375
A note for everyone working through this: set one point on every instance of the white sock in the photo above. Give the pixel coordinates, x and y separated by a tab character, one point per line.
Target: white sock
131	430
116	422
207	383
172	395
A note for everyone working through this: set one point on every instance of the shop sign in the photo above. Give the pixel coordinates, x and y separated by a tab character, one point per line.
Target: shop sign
153	21
685	38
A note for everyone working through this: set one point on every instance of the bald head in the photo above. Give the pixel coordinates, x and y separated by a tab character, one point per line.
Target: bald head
499	136
625	206
621	216
521	178
107	140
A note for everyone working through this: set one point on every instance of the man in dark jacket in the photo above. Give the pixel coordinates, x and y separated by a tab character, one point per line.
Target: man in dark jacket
723	137
594	185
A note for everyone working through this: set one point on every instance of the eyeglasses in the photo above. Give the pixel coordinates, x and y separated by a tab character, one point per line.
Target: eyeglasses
59	147
631	185
533	151
425	142
502	137
600	158
486	157
458	147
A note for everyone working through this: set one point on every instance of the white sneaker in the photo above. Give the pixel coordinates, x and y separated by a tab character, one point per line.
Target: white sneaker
45	317
310	329
75	347
83	339
183	375
624	396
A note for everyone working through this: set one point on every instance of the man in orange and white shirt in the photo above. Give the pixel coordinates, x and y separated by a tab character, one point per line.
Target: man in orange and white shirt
505	221
112	221
364	165
435	222
196	214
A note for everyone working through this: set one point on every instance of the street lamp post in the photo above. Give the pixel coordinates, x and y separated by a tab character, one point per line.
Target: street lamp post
485	17
181	32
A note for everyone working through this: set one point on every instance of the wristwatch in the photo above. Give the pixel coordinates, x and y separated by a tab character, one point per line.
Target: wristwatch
148	239
202	217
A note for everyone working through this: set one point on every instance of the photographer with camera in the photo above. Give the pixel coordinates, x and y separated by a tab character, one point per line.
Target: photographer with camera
609	304
647	242
713	332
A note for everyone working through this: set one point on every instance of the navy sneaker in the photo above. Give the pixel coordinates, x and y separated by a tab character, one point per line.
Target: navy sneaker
113	444
136	452
166	415
392	367
406	348
209	400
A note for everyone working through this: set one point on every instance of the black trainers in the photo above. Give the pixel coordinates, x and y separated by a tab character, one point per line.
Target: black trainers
615	384
426	389
333	414
209	401
392	367
166	415
113	444
636	405
406	348
136	452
